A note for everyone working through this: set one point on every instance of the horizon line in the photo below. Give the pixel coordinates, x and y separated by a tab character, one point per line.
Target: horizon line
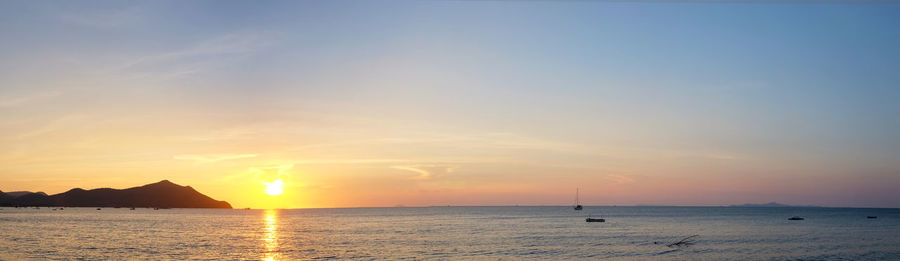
695	206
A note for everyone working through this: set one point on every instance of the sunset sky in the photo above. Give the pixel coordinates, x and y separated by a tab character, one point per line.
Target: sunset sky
419	103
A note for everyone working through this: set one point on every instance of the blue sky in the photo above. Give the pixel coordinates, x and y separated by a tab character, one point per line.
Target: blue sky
512	102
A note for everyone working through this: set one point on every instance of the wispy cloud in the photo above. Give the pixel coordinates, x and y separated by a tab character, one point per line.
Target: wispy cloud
348	161
270	173
619	179
487	141
104	19
211	158
195	57
15	101
264	173
427	171
54	125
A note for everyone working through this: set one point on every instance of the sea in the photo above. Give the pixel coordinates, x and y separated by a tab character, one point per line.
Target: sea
451	233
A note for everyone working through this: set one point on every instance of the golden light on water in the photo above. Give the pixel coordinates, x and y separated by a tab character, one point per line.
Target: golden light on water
275	188
270	236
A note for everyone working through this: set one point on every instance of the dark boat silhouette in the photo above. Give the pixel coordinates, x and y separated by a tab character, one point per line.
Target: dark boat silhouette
795	218
577	205
870	217
590	219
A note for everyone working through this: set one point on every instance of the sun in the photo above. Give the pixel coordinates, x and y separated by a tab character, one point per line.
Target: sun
274	188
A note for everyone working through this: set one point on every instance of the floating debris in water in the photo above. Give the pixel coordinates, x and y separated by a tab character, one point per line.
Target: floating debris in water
684	242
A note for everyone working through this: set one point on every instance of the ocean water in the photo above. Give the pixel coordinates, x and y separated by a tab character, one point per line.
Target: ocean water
450	233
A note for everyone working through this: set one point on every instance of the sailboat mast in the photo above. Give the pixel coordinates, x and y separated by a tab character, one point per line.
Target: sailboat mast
577	204
576	196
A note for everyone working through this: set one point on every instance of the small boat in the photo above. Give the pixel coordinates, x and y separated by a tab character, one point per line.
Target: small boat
577	205
871	217
594	220
590	219
795	218
98	208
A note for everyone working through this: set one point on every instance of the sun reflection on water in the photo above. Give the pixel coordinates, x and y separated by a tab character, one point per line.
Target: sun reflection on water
270	236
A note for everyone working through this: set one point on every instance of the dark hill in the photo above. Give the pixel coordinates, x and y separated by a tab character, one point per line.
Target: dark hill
16	194
163	194
5	200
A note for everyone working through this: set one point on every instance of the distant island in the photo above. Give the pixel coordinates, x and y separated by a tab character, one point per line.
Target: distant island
770	205
163	194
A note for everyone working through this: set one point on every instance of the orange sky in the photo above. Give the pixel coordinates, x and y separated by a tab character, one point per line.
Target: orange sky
455	103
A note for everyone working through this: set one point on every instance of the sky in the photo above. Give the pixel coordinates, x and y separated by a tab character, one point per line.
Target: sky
424	103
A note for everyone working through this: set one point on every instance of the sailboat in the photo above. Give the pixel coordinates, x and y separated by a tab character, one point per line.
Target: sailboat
577	205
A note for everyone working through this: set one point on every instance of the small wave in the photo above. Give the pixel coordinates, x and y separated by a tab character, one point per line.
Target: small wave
667	252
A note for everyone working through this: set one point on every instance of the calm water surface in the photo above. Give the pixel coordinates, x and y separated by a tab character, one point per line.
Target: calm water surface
490	233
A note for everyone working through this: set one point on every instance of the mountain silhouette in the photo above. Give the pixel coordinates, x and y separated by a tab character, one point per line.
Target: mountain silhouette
22	193
163	194
5	200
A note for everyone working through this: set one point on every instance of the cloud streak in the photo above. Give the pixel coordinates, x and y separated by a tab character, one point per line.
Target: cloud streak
196	57
427	172
212	158
103	19
6	102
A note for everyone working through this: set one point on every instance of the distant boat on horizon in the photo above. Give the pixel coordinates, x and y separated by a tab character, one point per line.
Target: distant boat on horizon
577	204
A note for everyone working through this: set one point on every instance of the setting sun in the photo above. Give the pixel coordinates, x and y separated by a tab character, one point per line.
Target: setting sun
275	188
